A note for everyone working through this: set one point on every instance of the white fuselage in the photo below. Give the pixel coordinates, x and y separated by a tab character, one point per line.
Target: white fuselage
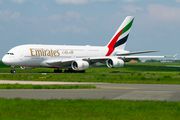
35	55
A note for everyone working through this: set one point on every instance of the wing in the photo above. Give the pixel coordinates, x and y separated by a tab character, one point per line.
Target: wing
131	53
129	58
118	61
94	61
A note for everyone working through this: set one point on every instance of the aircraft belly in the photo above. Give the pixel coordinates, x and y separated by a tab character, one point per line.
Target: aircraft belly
64	65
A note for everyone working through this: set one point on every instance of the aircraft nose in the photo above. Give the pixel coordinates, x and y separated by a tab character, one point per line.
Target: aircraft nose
5	60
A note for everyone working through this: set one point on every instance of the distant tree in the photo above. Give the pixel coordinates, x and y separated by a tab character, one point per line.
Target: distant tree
152	60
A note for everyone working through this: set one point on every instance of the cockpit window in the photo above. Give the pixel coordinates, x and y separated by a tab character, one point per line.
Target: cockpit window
10	54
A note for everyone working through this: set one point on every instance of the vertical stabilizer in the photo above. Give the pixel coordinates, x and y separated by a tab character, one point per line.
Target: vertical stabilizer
119	39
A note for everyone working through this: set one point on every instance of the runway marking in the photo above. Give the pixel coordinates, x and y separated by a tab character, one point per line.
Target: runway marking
116	87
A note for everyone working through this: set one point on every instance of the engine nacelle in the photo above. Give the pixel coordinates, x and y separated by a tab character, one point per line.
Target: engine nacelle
26	68
115	63
79	65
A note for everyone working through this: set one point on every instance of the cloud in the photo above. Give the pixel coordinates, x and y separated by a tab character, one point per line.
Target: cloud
71	1
130	1
101	0
74	29
37	40
15	15
67	17
90	19
1	2
8	15
164	13
132	9
4	15
44	7
19	1
69	28
177	0
79	1
35	19
72	14
55	17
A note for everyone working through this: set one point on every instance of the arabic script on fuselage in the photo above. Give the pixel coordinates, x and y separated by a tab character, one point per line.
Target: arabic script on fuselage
67	52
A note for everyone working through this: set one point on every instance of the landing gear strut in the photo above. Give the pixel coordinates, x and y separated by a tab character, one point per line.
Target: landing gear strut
12	69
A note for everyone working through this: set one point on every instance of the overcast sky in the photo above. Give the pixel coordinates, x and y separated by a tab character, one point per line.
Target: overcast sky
90	22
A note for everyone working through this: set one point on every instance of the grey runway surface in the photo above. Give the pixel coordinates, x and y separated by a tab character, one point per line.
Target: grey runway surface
155	92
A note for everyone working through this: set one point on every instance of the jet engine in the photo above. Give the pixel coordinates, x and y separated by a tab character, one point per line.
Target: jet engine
26	68
79	65
115	63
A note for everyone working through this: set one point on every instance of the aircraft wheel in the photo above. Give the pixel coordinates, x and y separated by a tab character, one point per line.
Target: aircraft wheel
57	71
83	71
13	71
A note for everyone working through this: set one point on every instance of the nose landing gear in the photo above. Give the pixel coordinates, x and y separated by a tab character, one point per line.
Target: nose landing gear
12	69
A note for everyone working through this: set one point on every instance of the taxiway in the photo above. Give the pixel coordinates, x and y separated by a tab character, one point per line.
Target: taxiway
157	92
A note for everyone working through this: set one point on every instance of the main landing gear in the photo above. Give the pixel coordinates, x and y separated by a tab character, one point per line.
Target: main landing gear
57	71
68	71
73	71
12	69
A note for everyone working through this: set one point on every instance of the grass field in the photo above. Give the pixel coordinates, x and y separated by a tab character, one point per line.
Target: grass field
29	86
129	67
134	77
12	109
144	73
153	73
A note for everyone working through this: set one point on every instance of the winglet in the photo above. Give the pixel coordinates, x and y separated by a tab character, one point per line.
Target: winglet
175	56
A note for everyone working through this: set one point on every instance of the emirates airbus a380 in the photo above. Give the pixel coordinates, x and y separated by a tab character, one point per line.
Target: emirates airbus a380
75	58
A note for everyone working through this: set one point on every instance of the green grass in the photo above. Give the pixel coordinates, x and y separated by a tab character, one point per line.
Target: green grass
29	86
153	73
129	77
143	73
129	67
12	109
2	65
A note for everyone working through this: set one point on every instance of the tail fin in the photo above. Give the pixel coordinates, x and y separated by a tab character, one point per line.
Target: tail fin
119	39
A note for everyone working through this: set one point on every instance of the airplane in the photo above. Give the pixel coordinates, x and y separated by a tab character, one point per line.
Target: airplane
75	58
